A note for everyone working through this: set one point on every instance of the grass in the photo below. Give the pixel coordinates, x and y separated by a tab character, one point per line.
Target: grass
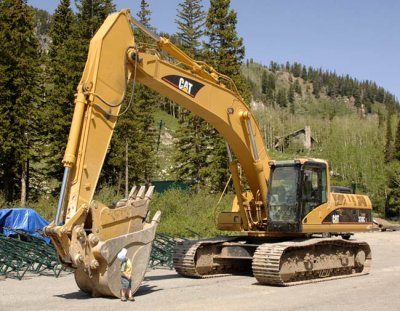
186	214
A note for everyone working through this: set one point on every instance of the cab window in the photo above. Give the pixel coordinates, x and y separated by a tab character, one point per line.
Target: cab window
314	188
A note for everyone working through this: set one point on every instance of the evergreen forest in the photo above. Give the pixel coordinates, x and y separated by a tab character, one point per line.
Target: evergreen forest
354	124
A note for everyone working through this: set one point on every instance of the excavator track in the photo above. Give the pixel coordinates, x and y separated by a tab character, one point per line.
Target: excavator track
186	258
308	261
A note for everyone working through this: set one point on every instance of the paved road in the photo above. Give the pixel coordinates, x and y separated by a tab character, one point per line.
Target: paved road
165	290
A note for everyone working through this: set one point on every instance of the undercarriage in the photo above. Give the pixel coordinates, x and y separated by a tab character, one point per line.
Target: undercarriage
273	262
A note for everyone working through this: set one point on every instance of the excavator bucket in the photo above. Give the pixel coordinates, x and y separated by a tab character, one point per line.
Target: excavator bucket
93	246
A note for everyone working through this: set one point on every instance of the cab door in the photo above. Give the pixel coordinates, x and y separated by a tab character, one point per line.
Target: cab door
313	187
284	209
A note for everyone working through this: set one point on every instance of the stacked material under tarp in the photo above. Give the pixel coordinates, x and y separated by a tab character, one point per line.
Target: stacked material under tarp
23	219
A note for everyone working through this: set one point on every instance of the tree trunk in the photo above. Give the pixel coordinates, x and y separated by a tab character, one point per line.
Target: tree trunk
119	182
126	169
24	174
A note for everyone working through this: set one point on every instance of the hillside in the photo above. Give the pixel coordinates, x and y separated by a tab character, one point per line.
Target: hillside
348	124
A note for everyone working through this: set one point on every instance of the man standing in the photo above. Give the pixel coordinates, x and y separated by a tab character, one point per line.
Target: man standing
126	272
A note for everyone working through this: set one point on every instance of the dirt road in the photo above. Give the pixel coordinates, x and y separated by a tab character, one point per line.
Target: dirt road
165	290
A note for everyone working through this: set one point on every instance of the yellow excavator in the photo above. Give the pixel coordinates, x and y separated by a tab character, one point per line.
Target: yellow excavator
282	219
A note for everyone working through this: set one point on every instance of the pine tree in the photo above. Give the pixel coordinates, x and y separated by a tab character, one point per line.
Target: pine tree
144	13
63	77
271	87
190	21
389	139
281	98
291	94
91	15
191	156
296	70
61	26
392	157
224	51
297	87
192	153
264	82
20	101
268	86
317	87
304	74
397	143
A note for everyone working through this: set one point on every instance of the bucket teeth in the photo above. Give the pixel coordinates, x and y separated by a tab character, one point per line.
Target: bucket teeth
136	194
141	192
132	193
149	192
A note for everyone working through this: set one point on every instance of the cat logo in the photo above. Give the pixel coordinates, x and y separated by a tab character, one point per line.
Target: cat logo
186	85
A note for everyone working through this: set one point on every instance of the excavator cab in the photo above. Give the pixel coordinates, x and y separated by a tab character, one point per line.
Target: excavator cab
296	188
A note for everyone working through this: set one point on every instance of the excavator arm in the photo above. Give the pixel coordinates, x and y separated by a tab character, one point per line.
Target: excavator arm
213	97
87	234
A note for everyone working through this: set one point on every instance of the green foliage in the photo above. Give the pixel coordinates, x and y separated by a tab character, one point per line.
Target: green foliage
45	206
183	213
291	94
190	21
107	194
354	146
216	171
133	144
397	143
224	51
281	98
90	16
63	74
19	96
392	168
392	208
389	147
144	13
192	152
192	140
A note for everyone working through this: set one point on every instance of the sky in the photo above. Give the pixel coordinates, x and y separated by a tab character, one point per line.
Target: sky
356	37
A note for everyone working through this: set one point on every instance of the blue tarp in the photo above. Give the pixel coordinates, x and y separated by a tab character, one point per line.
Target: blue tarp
25	219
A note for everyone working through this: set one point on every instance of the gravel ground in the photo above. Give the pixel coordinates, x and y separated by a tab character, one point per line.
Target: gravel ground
163	289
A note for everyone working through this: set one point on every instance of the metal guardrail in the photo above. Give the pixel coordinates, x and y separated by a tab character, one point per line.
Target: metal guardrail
24	253
162	251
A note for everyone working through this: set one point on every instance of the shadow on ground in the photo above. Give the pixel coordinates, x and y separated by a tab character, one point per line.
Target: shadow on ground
161	277
80	295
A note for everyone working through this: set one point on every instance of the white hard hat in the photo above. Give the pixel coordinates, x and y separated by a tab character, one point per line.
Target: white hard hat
122	254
